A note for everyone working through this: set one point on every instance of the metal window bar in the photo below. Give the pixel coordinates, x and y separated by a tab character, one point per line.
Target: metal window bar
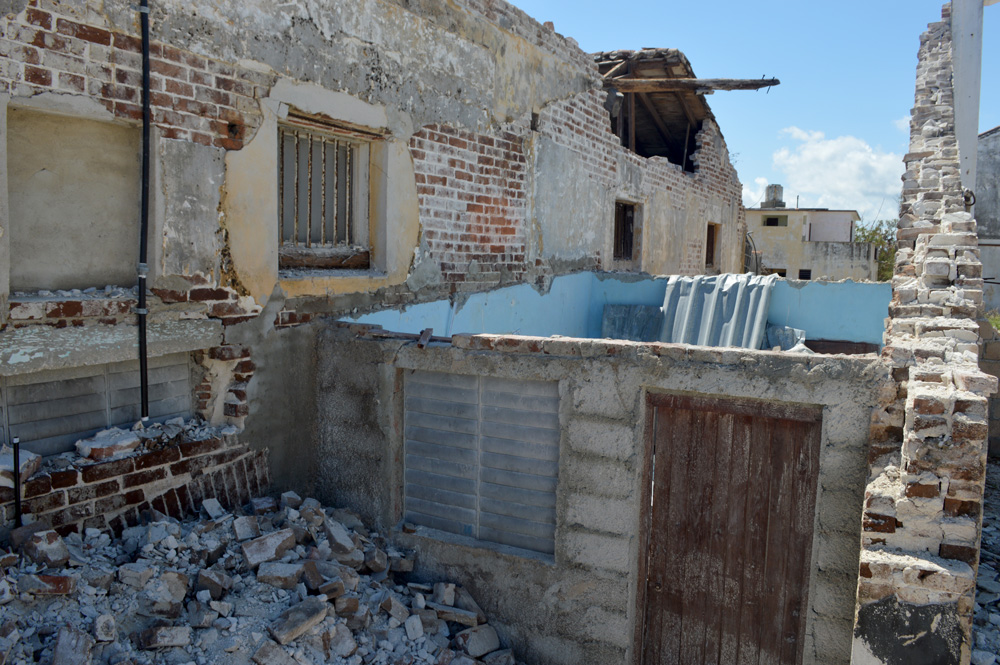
316	180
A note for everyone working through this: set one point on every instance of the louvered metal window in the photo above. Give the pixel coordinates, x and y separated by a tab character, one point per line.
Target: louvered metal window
482	457
50	411
323	192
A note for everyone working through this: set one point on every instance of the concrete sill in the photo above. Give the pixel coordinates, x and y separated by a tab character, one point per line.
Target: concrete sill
36	348
428	537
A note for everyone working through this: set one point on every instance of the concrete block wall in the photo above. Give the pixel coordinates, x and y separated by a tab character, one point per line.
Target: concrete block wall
579	606
923	503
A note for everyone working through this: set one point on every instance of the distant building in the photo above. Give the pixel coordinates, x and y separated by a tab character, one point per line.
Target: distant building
807	243
987	213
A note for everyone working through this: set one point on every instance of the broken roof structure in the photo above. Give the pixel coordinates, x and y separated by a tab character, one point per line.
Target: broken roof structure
385	244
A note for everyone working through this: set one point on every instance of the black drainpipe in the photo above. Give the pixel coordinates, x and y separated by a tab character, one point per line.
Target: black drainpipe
143	269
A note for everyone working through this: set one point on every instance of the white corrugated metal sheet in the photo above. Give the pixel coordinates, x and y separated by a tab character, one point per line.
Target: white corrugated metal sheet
717	310
482	457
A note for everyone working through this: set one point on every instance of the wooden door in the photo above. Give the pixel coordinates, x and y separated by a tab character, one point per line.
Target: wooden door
731	486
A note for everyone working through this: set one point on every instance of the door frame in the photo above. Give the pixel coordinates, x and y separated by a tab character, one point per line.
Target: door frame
694	400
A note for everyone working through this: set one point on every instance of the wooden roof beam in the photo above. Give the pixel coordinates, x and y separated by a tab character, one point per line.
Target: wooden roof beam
692	85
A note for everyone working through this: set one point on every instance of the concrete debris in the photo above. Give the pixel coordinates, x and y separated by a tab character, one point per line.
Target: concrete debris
73	647
30	463
986	620
47	549
108	444
284	582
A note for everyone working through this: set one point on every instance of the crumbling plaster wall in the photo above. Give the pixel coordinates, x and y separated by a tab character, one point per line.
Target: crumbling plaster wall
579	606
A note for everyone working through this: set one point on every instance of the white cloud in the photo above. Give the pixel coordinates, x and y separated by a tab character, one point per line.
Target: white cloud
752	196
839	173
903	124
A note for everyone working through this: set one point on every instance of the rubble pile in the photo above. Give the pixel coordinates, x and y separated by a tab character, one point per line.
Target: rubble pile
986	622
284	582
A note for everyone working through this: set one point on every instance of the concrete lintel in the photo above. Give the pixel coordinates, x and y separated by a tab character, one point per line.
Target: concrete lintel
36	348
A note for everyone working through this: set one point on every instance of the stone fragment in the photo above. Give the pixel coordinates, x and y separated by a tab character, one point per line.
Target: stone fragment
395	608
465	601
347	518
281	575
159	598
401	564
980	657
46	585
478	641
332	588
8	559
213	508
502	657
263	504
342	642
72	647
30	463
447	613
268	547
222	607
354	559
161	637
414	627
6	591
345	606
290	500
216	582
375	560
311	576
108	444
338	537
270	653
360	619
105	628
444	593
199	616
22	534
297	619
246	528
47	549
136	574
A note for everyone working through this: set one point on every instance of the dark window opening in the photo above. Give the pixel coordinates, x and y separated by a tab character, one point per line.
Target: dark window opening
805	274
780	272
638	122
776	221
624	231
710	243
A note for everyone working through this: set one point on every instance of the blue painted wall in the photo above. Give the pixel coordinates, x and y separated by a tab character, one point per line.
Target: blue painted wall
849	311
574	306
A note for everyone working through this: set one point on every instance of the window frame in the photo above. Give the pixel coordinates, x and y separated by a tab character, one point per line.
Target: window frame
299	252
779	220
712	245
624	234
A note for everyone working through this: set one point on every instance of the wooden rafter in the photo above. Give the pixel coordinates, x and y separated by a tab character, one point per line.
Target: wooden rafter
657	120
679	85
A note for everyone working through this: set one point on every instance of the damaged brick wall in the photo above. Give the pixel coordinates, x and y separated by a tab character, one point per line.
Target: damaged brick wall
194	98
111	494
472	204
923	503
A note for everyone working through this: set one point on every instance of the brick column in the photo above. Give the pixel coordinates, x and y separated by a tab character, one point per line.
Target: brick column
923	504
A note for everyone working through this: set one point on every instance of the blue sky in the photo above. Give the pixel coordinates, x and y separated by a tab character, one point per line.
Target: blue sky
835	130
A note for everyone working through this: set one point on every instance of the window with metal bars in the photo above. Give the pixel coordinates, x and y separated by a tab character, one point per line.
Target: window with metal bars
323	195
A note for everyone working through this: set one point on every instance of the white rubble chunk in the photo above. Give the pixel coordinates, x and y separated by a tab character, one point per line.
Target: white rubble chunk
105	628
414	627
478	641
108	444
268	547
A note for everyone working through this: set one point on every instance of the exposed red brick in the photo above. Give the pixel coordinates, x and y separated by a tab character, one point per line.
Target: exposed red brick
193	448
38	17
37	75
105	470
143	477
228	352
87	33
36	486
157	458
64	479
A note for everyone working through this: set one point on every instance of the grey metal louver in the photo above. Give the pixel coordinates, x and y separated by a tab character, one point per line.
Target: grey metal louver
51	410
482	457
